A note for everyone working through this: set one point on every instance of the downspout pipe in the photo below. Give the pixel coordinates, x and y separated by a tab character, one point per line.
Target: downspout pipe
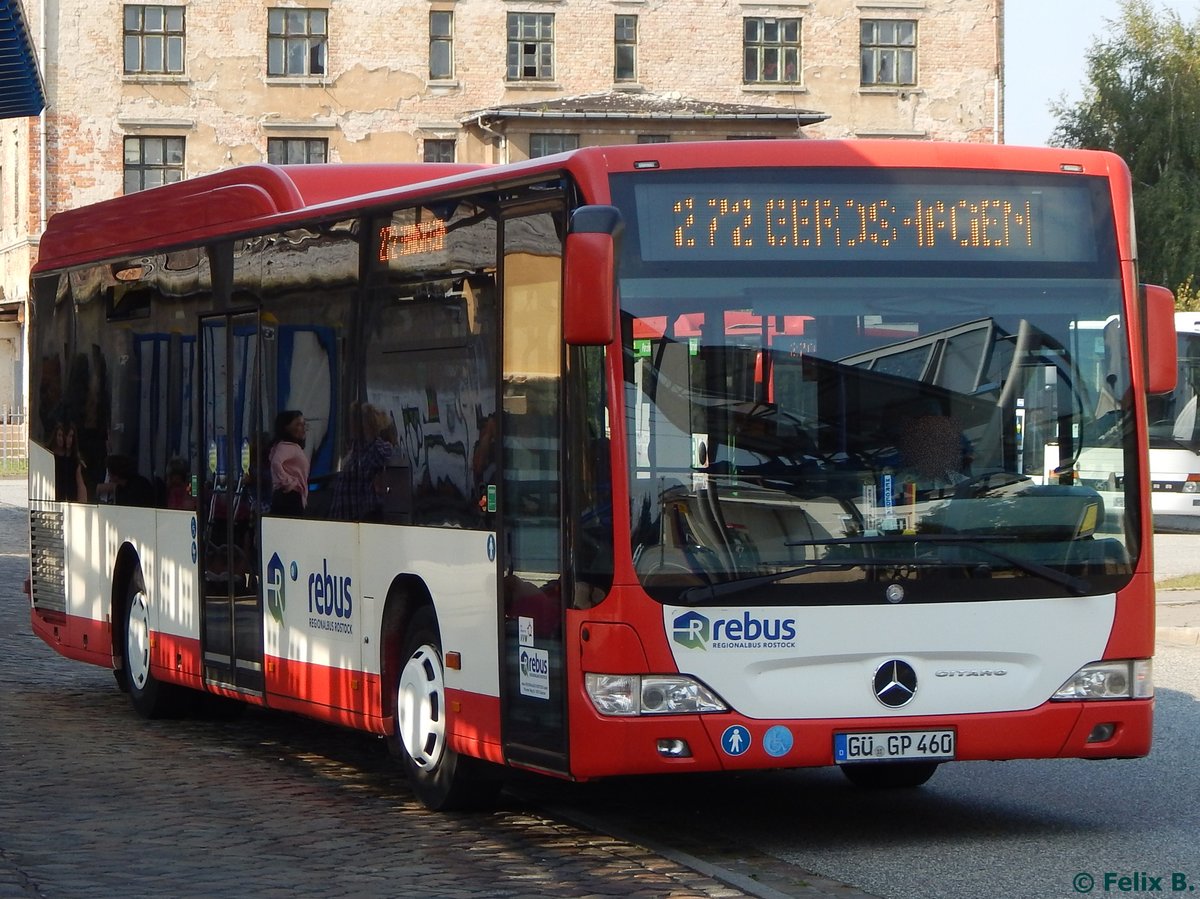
501	138
43	167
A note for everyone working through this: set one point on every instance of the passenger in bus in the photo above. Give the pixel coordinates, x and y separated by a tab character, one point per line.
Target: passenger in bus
179	494
124	486
359	491
934	451
69	485
289	464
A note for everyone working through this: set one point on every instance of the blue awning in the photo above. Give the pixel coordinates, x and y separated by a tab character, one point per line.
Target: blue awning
21	91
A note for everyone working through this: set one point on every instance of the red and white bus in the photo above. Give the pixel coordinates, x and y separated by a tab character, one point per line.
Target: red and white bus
689	457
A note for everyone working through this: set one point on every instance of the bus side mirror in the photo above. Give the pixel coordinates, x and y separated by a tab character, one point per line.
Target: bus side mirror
589	283
1160	339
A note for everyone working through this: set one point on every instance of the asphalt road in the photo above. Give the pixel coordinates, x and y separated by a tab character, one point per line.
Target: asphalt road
978	830
98	802
95	801
1176	555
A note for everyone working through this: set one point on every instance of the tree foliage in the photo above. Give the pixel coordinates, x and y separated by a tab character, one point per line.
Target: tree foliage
1142	101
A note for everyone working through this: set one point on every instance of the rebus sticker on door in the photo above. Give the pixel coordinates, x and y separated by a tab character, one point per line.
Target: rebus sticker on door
535	663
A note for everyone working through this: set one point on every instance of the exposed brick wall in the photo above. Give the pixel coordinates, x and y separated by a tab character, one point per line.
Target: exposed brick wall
376	102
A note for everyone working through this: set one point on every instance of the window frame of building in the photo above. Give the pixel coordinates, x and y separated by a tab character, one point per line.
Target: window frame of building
441	45
158	31
883	43
167	156
438	150
625	47
530	46
548	143
771	50
654	138
297	150
297	42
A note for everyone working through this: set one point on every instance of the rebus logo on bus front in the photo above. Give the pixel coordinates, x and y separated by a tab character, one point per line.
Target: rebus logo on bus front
747	631
692	630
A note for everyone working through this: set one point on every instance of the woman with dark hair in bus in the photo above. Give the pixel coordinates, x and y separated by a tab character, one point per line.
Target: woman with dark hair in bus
359	491
68	467
289	464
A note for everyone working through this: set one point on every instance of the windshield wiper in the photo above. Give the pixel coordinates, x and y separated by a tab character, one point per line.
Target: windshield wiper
731	588
709	592
1077	585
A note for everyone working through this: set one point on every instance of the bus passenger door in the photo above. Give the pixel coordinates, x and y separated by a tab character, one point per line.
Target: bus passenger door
533	693
228	511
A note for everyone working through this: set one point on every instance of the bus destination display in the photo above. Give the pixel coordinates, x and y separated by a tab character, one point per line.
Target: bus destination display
905	222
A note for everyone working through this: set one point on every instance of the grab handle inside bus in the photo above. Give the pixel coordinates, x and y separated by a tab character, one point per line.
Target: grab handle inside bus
1160	339
589	281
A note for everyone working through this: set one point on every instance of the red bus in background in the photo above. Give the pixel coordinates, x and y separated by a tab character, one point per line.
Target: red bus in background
630	460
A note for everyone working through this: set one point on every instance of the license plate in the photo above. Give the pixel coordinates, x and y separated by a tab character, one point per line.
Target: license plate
891	746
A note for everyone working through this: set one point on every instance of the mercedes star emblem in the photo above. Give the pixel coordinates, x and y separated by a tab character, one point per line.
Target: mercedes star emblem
895	683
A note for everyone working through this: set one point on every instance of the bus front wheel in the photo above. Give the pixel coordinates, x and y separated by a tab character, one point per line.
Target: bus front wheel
150	697
441	778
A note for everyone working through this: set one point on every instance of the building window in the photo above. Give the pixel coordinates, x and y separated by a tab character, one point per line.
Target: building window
625	48
889	52
152	161
297	150
154	38
296	41
439	151
654	139
530	46
771	51
441	45
546	144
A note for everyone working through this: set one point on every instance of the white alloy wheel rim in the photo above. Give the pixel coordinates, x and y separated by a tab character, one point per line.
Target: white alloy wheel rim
137	641
421	708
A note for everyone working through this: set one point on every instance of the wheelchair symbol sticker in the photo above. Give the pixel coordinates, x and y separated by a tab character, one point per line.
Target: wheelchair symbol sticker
777	741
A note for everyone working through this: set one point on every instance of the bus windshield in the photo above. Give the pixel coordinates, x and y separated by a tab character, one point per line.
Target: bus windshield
1172	416
841	383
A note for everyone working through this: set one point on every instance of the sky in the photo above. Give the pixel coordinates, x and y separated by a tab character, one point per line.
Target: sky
1045	43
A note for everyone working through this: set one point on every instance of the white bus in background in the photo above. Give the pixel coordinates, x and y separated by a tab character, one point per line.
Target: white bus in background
1175	438
1173	435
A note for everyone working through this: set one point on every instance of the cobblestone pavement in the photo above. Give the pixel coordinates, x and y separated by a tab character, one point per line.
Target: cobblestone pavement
95	801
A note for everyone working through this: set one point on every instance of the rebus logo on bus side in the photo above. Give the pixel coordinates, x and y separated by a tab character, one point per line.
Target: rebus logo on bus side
329	594
276	577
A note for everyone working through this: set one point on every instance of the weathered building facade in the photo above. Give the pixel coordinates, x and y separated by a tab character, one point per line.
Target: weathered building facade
143	93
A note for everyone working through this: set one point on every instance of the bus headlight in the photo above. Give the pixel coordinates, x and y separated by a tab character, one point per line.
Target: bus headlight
1127	679
650	694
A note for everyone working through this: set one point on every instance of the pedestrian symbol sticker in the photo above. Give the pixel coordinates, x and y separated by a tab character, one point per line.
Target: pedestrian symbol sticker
735	740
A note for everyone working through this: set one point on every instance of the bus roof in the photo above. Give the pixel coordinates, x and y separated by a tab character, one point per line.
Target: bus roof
255	198
210	205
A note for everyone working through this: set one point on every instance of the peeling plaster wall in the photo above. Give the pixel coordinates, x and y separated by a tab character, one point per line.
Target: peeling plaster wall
375	102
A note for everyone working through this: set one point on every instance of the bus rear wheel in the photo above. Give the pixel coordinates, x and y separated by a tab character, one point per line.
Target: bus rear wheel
441	778
889	775
150	697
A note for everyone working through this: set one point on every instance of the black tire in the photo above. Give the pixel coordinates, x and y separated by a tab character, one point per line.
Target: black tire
150	697
441	778
889	775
